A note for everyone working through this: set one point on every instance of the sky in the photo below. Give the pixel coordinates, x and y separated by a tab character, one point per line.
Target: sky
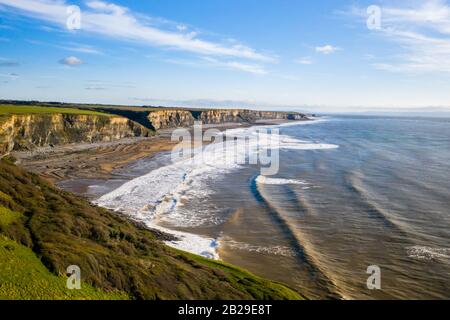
268	54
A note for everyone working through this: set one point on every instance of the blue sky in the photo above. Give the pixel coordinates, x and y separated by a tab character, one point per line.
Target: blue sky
269	54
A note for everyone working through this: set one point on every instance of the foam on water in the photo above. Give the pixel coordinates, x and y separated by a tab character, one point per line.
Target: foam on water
272	250
428	253
158	196
278	181
202	246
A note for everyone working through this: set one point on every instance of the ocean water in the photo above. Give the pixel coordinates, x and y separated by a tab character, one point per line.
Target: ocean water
351	192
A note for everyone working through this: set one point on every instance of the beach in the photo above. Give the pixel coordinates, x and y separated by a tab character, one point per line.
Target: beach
98	161
343	200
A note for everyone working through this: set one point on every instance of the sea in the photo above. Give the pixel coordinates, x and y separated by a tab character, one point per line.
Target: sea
358	208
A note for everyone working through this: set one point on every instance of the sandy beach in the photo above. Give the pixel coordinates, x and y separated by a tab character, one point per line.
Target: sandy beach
99	160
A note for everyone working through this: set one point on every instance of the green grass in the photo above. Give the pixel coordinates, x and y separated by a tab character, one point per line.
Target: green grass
24	277
17	109
112	252
4	196
7	217
246	281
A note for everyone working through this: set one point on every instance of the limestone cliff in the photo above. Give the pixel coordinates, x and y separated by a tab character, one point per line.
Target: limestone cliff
26	131
165	119
172	118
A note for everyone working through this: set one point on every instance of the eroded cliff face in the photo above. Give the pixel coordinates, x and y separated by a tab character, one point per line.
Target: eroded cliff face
27	131
24	132
165	119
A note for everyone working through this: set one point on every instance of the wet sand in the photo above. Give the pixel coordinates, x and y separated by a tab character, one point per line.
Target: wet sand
90	161
98	161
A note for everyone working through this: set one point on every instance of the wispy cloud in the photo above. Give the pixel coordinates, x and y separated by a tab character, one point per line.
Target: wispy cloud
105	84
236	65
111	20
8	63
327	49
81	48
95	88
211	62
74	47
421	30
10	76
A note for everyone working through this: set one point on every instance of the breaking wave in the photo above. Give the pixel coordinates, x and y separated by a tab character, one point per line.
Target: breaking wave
428	253
279	181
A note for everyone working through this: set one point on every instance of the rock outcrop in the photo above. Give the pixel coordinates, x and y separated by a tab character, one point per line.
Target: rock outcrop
165	119
23	132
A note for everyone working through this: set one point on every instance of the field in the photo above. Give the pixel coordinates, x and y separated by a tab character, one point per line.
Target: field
6	109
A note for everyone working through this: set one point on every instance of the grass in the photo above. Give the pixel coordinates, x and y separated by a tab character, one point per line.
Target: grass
246	281
17	109
114	254
7	217
23	276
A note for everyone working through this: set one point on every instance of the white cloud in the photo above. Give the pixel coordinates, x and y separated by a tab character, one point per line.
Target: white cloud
10	76
305	61
216	63
111	20
327	49
236	65
421	32
107	7
71	61
81	49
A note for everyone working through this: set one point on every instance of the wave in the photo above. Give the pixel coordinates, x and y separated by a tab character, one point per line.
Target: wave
295	144
279	181
428	253
302	246
271	250
375	210
158	197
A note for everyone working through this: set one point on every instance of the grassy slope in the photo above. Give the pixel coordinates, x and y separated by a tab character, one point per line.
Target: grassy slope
23	276
114	255
15	109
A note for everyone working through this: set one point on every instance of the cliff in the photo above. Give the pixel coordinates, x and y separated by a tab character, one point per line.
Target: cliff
172	118
166	119
23	127
26	131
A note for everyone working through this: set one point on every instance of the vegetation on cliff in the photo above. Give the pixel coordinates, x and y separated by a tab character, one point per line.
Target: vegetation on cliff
43	230
7	109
